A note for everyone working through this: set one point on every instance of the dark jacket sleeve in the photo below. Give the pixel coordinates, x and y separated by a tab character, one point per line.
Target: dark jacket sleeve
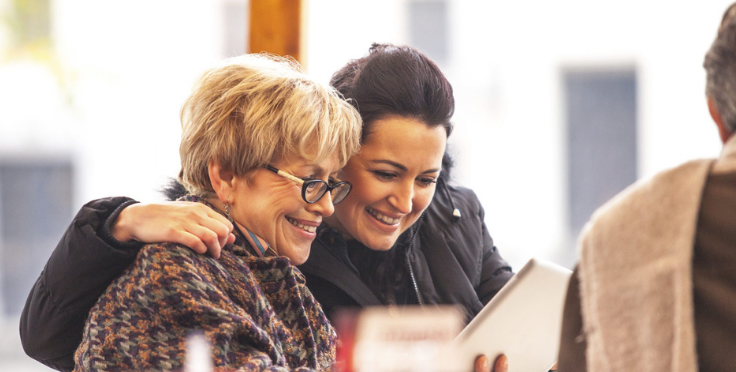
84	263
495	271
572	340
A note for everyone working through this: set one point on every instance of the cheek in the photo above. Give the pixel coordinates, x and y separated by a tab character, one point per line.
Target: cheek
279	203
365	192
422	199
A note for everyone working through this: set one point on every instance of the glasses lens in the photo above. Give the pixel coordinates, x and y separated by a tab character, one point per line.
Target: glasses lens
340	191
313	190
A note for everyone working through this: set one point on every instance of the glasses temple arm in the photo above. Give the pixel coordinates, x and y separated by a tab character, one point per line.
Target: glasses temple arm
285	175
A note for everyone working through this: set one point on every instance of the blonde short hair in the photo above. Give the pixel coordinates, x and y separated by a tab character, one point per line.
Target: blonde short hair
258	109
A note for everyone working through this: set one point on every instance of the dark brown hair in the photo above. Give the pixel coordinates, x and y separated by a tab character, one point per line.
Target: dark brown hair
396	81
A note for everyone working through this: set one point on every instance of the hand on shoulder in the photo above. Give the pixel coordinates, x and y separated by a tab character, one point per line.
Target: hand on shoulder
194	225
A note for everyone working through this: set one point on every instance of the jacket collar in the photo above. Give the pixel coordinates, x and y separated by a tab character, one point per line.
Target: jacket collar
727	161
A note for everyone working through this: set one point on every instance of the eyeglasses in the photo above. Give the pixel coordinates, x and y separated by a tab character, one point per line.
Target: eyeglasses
314	190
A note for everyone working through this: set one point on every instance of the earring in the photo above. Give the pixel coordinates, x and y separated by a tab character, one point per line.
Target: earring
227	207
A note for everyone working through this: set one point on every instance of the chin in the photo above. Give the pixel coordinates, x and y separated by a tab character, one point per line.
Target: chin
381	245
298	259
299	262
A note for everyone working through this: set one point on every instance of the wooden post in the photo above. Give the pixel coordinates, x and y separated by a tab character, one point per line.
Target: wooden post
275	27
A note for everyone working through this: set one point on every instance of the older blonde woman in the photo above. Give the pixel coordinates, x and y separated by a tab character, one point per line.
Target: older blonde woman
261	144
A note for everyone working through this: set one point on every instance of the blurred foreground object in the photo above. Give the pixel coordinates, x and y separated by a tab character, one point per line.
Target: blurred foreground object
198	358
390	339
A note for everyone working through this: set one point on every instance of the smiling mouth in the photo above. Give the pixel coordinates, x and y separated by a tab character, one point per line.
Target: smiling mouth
382	217
296	223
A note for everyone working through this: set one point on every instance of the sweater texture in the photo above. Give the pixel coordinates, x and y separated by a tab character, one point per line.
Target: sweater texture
256	312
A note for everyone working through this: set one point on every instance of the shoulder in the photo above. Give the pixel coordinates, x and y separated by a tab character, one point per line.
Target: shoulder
655	194
168	252
465	197
654	217
455	221
441	213
172	262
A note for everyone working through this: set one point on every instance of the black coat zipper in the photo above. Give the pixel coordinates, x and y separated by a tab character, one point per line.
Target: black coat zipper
414	282
408	261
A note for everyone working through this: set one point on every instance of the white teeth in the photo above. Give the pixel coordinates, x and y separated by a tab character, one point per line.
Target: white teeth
310	229
384	218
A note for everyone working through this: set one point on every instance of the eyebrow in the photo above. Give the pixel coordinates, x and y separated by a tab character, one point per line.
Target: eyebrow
316	169
402	167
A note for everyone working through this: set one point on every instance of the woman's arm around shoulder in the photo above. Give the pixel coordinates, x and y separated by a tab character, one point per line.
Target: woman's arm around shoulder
102	240
78	271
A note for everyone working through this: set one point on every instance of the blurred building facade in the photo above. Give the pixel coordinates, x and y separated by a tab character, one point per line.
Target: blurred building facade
559	105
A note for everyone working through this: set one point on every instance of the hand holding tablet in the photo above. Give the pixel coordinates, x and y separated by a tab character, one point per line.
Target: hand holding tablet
521	324
522	321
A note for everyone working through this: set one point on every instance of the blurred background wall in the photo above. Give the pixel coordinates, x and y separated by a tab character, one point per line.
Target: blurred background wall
560	105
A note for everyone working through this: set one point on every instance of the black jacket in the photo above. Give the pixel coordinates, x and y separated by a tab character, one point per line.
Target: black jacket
79	270
453	261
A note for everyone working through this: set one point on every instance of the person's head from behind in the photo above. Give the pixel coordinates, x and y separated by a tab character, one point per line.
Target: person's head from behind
406	104
252	117
720	68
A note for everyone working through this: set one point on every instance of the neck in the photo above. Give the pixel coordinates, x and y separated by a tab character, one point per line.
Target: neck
215	202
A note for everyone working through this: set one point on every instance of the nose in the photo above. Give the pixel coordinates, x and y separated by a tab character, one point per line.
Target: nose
402	196
323	206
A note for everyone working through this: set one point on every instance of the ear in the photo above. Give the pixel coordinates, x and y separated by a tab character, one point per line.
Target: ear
222	180
723	131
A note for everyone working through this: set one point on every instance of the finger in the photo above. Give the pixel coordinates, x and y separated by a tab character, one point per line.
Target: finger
208	237
231	239
482	364
215	252
190	240
502	364
198	212
220	218
221	231
212	220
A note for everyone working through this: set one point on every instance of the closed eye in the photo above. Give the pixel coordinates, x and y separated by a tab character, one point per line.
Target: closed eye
426	182
386	176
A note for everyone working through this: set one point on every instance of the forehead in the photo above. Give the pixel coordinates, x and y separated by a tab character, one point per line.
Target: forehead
400	137
327	165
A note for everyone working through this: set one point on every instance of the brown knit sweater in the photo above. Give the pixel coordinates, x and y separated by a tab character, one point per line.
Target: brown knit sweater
255	311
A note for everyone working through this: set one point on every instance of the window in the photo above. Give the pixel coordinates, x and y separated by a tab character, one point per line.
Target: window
234	27
35	208
428	28
602	141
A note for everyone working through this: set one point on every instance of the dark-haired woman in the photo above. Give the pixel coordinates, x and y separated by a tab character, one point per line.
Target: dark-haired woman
403	236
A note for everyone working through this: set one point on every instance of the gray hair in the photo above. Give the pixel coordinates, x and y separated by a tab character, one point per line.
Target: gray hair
720	69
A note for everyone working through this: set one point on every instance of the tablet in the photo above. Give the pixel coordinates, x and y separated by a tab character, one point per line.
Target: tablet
523	320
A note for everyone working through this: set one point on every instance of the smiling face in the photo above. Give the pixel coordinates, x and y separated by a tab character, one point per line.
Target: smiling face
394	178
271	206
